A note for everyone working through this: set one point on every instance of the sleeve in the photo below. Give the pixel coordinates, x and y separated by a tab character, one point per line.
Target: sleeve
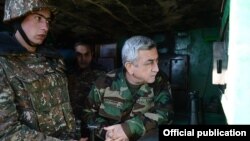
93	103
160	113
10	127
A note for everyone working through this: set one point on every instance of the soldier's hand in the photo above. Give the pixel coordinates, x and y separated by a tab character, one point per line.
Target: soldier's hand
115	133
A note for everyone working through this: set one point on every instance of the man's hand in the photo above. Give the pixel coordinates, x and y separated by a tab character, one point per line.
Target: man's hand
115	133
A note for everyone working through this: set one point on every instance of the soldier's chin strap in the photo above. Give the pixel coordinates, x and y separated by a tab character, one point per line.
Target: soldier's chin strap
18	27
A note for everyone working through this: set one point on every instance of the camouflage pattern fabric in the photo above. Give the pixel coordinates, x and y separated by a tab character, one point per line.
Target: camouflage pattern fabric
111	102
34	100
80	83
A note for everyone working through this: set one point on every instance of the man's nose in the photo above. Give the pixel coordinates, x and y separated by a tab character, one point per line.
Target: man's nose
155	67
45	25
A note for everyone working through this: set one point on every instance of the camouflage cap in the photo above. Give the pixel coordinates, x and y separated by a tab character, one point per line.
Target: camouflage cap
18	8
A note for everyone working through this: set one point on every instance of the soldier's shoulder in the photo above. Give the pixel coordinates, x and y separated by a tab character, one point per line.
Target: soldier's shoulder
106	79
3	61
50	52
112	74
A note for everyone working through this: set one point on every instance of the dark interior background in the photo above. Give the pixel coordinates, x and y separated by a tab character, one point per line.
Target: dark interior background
107	21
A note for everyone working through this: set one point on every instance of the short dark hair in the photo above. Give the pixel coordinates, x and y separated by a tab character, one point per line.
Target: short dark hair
88	44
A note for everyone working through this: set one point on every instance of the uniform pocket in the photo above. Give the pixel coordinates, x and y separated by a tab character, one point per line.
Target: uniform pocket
114	106
143	104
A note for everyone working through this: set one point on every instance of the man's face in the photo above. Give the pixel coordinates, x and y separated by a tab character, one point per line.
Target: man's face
146	66
36	25
83	56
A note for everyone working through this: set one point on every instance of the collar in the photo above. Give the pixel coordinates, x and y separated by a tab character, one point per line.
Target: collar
9	44
144	89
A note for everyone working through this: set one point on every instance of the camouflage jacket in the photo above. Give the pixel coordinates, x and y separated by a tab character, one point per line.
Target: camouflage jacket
111	102
34	100
80	83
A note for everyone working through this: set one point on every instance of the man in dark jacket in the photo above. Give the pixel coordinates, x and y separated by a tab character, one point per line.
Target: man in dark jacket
81	78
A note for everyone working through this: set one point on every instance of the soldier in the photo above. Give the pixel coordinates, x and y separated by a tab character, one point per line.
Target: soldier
81	79
34	100
129	103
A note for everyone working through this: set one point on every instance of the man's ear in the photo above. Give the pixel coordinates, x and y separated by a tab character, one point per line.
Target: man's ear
129	67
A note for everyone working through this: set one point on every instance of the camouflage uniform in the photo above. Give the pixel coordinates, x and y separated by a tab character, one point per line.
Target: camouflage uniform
80	83
34	100
111	102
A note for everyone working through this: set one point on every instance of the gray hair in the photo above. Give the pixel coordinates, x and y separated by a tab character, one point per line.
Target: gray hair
132	46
